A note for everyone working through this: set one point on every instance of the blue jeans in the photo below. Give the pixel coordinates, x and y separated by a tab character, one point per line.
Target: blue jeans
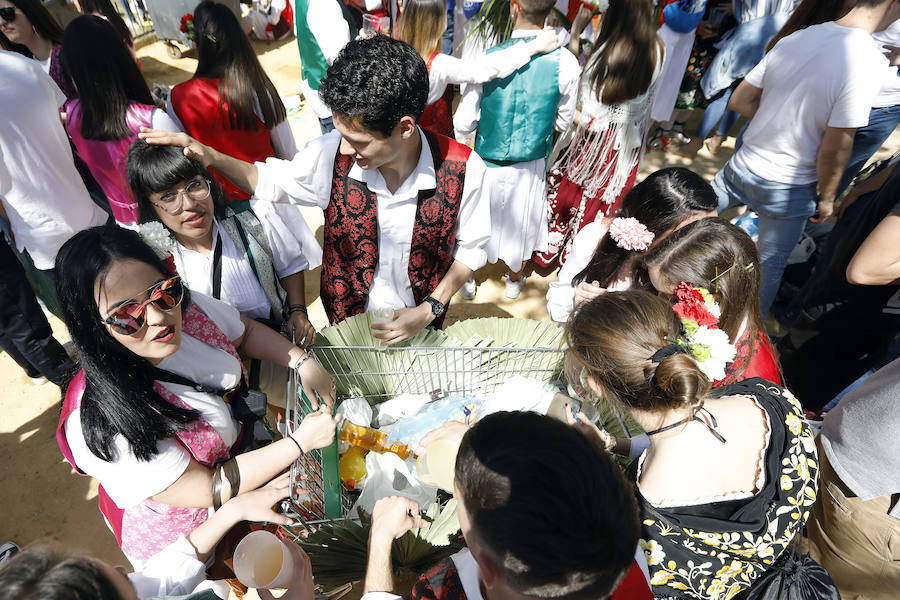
717	112
868	139
326	124
783	213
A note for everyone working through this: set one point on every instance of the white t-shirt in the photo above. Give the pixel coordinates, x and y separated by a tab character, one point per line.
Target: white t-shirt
890	82
130	481
41	191
823	76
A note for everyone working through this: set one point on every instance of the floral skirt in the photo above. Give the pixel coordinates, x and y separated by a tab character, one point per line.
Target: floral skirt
570	210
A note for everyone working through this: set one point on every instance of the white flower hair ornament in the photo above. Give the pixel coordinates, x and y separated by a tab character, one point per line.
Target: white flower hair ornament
160	240
630	234
703	340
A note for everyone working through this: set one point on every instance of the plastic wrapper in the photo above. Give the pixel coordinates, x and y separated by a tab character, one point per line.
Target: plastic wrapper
388	475
409	430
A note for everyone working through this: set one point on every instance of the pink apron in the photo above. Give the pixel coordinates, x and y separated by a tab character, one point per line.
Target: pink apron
147	528
107	159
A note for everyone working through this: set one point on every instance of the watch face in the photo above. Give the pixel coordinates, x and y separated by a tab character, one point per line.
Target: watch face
437	307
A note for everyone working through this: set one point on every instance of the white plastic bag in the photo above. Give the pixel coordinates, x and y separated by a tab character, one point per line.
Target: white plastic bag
388	475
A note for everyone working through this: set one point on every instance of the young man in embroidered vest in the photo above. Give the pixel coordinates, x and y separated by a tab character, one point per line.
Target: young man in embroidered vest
407	218
515	118
545	514
323	27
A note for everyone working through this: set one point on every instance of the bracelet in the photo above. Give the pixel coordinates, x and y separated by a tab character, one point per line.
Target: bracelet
233	475
299	447
297	308
301	361
217	488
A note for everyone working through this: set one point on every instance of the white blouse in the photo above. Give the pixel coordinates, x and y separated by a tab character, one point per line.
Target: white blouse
561	295
282	225
449	70
130	481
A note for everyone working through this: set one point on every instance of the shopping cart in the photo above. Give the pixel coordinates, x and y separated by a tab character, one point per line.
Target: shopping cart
378	374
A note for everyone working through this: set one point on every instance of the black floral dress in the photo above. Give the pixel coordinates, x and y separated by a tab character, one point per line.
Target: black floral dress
716	551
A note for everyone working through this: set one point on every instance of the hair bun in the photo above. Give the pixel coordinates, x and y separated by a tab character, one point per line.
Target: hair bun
679	378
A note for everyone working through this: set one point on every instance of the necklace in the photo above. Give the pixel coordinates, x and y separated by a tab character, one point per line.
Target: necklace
694	416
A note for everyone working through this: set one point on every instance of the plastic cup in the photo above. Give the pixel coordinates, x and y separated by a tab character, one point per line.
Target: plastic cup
437	464
262	561
382	315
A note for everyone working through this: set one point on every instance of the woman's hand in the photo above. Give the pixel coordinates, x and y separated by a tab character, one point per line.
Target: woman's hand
317	429
316	380
192	148
257	504
301	586
545	41
581	21
600	436
303	330
585	292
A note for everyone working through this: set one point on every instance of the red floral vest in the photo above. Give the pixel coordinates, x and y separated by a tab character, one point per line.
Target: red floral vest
350	252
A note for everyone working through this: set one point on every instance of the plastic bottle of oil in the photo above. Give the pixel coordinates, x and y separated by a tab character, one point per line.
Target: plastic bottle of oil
371	439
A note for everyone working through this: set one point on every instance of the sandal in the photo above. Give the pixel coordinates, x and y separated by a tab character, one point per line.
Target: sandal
7	551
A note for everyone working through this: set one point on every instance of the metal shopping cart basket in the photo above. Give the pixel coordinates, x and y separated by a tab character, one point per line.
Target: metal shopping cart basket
377	374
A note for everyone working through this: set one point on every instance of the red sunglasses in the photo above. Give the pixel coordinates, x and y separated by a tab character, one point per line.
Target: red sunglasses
128	318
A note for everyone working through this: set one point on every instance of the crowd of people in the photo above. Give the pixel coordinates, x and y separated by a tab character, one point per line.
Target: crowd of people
167	235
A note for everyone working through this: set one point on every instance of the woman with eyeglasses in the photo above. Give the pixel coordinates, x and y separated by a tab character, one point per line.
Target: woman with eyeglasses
114	102
249	254
30	24
148	415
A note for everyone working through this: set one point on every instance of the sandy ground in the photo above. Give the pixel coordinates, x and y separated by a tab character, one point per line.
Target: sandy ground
43	499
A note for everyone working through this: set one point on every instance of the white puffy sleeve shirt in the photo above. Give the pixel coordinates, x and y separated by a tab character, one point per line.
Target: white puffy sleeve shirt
130	481
306	180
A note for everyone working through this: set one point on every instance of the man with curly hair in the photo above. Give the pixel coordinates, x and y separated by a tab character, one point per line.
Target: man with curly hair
407	218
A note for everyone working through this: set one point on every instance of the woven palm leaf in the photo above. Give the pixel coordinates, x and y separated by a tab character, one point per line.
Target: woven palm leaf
338	549
347	350
528	337
493	23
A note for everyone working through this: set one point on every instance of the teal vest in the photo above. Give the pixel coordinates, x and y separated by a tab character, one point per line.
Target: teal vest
312	62
518	112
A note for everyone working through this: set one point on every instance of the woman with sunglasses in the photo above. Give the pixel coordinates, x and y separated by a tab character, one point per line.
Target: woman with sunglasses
29	23
114	102
162	450
251	255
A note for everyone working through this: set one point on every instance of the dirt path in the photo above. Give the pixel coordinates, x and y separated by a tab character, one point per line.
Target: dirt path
42	499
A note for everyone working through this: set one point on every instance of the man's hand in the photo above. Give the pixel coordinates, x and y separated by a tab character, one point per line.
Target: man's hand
824	210
304	332
407	323
391	518
192	148
394	516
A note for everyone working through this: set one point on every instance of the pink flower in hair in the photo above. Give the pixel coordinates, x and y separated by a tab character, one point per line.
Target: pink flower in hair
630	234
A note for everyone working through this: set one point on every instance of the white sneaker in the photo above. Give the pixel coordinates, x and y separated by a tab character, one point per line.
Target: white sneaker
467	291
514	288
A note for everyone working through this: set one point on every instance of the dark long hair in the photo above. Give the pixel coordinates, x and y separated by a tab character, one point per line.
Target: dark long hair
627	52
721	257
224	53
807	13
43	22
107	78
153	169
119	398
660	202
105	8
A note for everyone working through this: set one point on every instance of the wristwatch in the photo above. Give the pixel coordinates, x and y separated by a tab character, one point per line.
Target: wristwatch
437	307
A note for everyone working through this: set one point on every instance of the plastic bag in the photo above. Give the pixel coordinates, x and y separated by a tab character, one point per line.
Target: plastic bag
409	430
398	407
388	475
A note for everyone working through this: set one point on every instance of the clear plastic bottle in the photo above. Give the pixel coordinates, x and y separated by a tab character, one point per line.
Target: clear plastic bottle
371	439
